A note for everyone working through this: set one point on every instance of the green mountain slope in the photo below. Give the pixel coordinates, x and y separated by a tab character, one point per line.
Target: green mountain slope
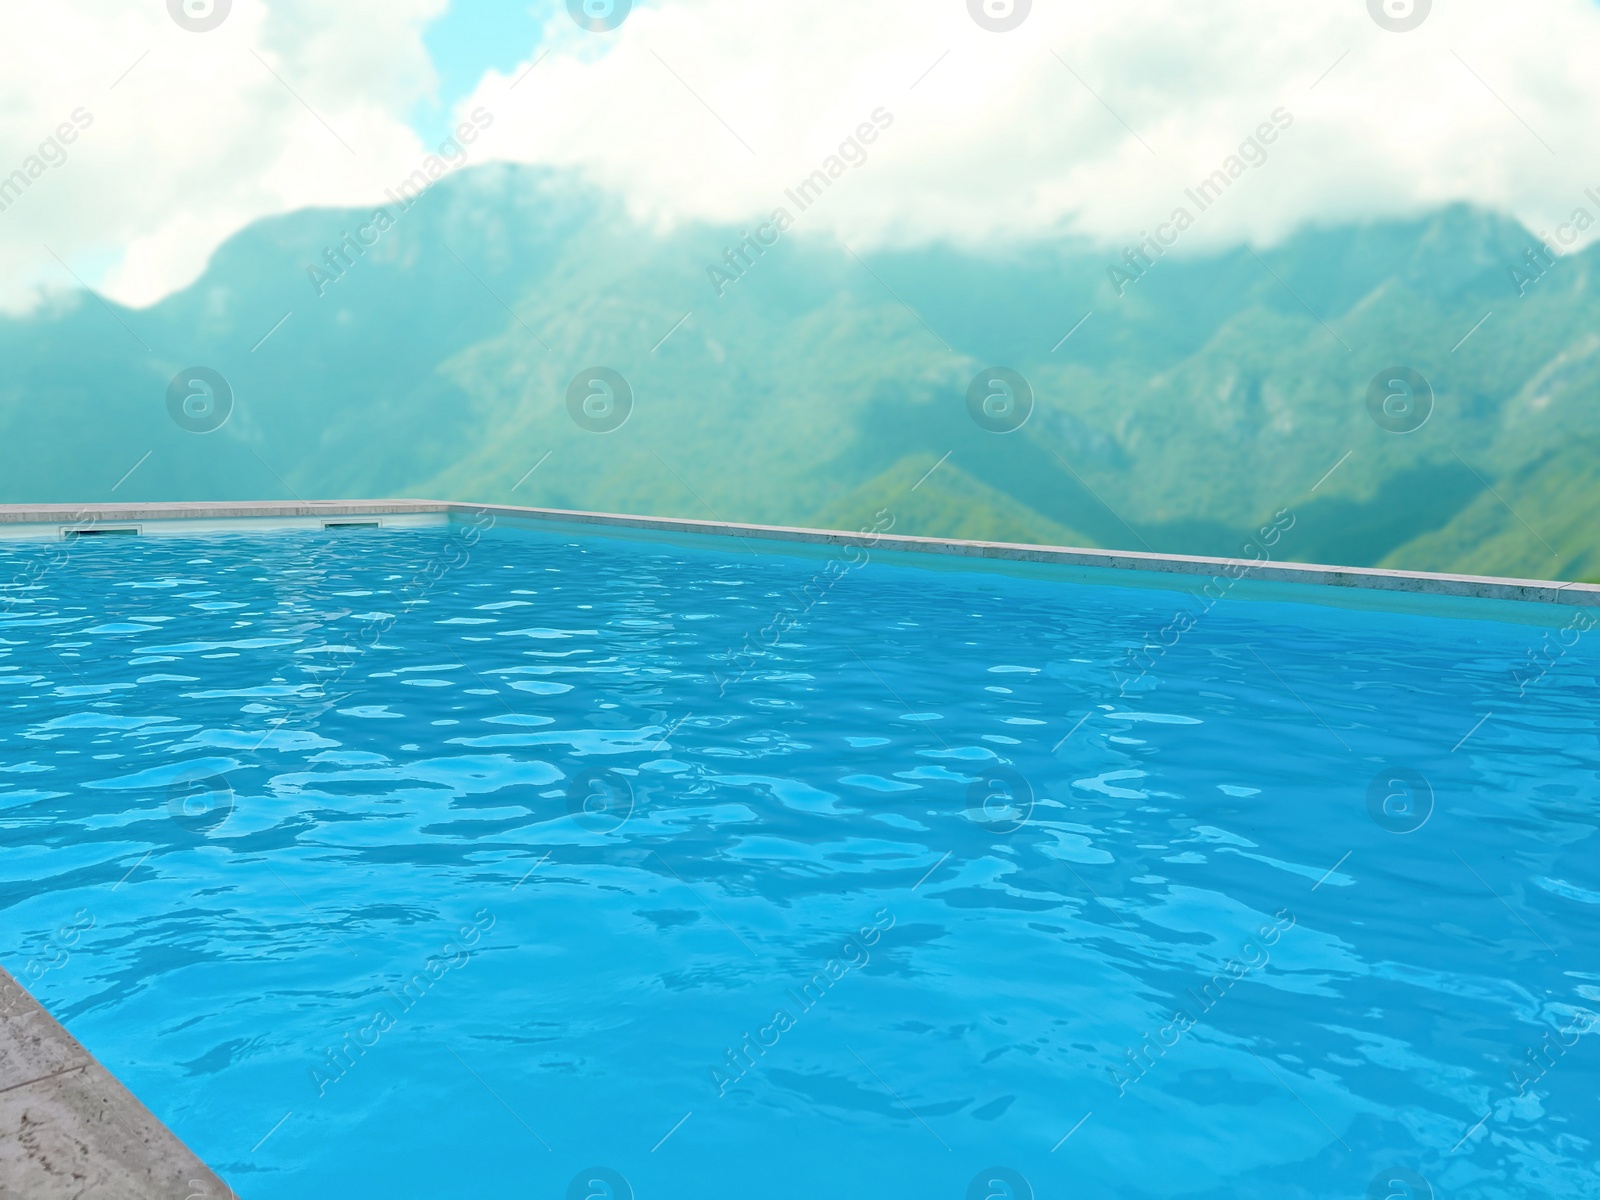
1216	393
924	497
1539	522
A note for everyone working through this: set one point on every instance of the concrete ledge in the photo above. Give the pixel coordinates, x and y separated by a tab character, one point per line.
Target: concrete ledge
57	521
1536	591
83	514
52	520
70	1131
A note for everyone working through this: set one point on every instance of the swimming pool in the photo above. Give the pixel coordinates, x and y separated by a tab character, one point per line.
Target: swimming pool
418	863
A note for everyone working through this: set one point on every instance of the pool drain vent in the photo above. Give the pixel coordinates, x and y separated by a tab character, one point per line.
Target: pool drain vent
102	531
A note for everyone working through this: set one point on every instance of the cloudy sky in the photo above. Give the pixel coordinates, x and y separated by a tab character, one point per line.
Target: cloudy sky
1087	117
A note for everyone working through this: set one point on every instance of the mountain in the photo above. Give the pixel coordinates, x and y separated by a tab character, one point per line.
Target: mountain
818	387
921	496
1561	490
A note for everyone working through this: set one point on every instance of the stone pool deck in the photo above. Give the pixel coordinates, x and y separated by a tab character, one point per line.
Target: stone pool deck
70	1131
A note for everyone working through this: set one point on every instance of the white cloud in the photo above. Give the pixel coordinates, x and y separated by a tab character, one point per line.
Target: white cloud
196	138
1022	133
1007	135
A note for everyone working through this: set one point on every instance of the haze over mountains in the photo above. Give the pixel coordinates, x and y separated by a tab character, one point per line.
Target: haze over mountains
822	387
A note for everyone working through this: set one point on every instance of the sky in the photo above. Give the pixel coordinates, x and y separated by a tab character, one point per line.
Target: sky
1090	119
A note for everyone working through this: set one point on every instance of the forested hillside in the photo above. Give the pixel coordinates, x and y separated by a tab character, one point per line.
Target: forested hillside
823	387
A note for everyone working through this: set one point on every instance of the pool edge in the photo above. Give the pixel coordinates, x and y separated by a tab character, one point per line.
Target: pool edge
69	1128
54	521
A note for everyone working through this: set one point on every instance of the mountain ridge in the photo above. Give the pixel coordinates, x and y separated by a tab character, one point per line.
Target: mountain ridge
1223	389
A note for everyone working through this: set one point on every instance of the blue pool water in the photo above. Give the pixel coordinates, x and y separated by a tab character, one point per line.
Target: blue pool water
406	864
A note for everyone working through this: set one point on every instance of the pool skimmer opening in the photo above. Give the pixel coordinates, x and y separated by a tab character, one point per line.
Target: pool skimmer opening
102	531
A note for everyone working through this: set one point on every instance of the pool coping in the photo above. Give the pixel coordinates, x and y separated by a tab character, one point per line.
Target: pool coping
59	519
69	1129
